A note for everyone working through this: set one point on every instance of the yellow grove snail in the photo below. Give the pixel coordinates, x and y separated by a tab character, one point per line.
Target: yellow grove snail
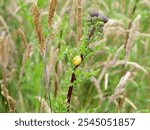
77	60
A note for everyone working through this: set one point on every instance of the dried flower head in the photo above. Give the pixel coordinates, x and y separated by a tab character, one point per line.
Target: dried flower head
4	48
23	37
100	15
52	8
38	27
11	104
79	20
96	23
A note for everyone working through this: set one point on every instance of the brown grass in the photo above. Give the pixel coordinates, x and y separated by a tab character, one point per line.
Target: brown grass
44	105
4	54
52	8
120	87
38	27
4	51
26	55
23	37
131	37
79	20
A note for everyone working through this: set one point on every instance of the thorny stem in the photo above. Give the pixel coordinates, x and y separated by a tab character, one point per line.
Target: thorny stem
69	97
73	77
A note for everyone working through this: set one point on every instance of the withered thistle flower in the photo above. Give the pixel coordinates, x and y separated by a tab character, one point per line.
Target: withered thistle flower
38	27
100	15
94	13
52	8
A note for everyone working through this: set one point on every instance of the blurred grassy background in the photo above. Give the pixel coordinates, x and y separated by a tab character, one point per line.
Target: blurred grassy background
17	14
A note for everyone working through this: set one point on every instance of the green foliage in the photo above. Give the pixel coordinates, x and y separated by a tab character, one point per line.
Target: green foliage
97	52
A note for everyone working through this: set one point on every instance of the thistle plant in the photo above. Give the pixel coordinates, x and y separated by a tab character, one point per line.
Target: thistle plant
93	32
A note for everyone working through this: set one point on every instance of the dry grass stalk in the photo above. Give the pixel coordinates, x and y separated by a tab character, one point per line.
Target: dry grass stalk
72	21
143	35
109	63
4	24
9	76
26	56
120	87
27	53
52	8
56	84
38	27
44	105
11	104
79	20
131	37
123	6
4	91
52	62
52	36
4	54
134	64
106	81
144	3
97	85
14	15
4	48
106	66
114	28
60	67
129	102
58	22
23	37
116	54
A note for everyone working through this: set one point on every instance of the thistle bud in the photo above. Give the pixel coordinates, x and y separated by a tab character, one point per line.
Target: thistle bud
100	24
100	29
94	13
103	18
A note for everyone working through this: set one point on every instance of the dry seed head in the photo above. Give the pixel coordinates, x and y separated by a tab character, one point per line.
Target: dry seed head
120	87
38	27
79	20
4	48
44	105
99	14
23	37
52	61
94	13
4	91
131	37
27	53
4	24
11	104
52	8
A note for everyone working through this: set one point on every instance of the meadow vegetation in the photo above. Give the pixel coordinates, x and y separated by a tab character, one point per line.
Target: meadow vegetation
66	56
